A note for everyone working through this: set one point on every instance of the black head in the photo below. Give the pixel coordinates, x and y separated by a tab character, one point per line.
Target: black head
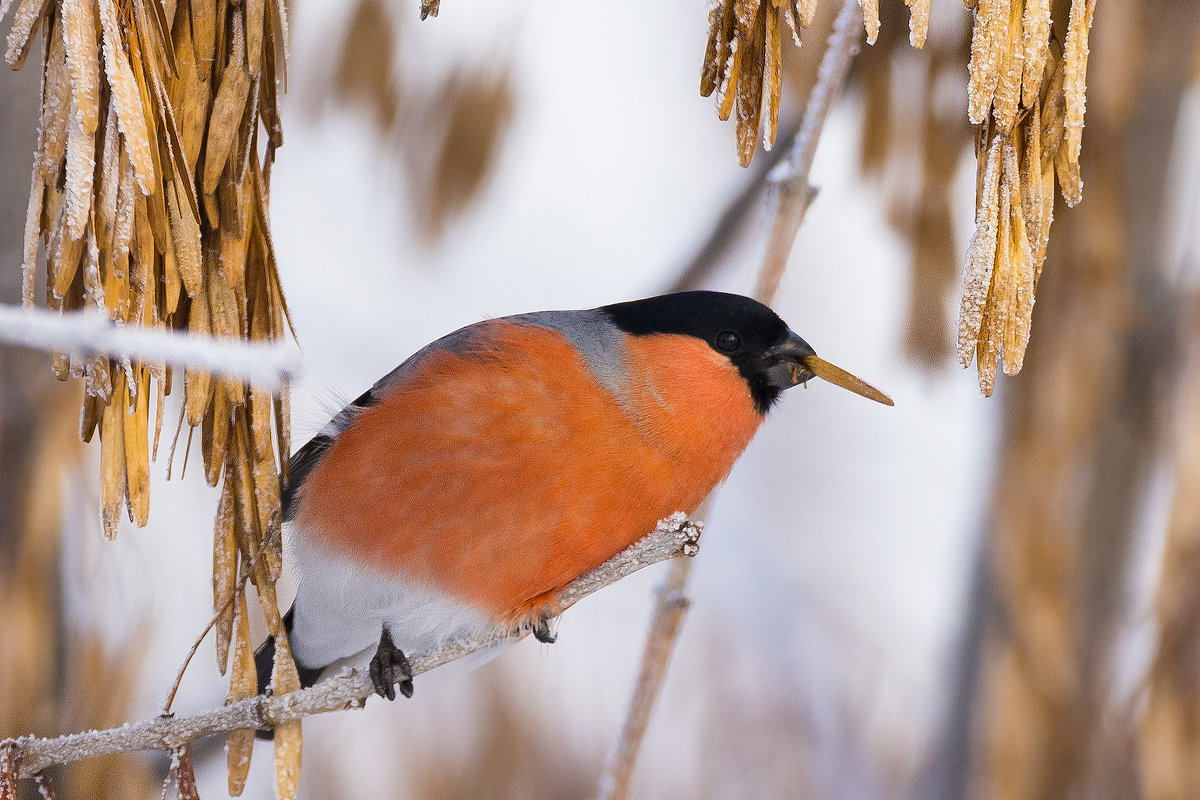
767	354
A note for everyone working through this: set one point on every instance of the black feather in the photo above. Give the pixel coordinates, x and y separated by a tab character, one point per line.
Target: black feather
264	664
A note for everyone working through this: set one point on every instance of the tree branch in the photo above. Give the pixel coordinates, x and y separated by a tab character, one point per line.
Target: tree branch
676	535
790	194
268	366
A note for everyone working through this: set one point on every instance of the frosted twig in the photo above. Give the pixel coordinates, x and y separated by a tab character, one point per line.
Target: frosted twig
788	182
788	185
669	610
676	535
268	366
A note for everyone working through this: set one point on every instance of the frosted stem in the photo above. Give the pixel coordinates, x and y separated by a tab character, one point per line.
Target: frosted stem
674	536
269	366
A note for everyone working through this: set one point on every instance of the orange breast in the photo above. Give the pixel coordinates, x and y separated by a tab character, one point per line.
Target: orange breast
501	474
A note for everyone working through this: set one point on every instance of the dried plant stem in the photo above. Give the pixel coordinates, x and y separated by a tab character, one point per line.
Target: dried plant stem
269	367
216	617
670	608
788	182
792	194
674	536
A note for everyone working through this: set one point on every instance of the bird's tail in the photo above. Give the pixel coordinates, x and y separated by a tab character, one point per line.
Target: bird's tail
264	663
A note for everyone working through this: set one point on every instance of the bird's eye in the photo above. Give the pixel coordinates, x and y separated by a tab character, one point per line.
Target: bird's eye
728	342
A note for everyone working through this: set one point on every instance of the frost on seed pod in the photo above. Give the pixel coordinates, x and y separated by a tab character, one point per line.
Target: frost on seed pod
148	198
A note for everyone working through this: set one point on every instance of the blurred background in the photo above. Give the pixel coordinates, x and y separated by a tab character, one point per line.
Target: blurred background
955	597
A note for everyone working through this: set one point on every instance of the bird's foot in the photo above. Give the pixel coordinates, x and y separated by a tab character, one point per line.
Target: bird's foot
540	628
390	667
536	617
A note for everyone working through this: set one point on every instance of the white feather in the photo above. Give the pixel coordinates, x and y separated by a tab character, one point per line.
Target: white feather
341	609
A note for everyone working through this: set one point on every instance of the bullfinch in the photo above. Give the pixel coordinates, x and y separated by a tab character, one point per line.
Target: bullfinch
461	492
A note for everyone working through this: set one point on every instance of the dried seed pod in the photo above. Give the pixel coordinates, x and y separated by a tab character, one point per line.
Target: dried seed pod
750	89
1075	55
772	76
185	777
981	257
1035	28
112	459
225	570
918	24
226	118
870	9
126	98
989	38
25	24
243	684
1008	84
137	452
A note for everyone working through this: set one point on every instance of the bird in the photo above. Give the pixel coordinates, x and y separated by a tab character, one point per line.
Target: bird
464	489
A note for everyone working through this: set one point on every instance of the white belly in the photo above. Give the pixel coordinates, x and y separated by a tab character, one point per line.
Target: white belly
341	610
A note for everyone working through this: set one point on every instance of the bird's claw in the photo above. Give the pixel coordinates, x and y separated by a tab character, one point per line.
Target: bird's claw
389	667
540	628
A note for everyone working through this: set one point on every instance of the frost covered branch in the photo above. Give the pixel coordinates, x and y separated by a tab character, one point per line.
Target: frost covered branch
676	535
788	181
267	366
791	193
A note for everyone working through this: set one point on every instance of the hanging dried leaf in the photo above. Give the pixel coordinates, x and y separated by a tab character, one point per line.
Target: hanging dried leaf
185	776
1075	55
243	684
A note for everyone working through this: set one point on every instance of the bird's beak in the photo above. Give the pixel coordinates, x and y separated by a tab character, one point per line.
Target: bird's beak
793	362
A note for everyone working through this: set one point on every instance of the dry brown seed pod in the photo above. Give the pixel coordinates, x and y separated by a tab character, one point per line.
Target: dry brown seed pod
56	105
108	180
1016	336
1070	183
137	452
1008	85
89	416
750	89
729	89
185	235
197	385
221	411
989	37
33	215
227	112
204	31
243	684
126	96
716	53
918	24
1075	55
1003	291
773	77
225	570
25	24
981	258
870	9
79	32
1036	32
112	458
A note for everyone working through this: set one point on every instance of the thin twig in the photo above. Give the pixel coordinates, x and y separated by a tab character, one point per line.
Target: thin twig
268	366
788	182
660	642
791	195
674	536
229	601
